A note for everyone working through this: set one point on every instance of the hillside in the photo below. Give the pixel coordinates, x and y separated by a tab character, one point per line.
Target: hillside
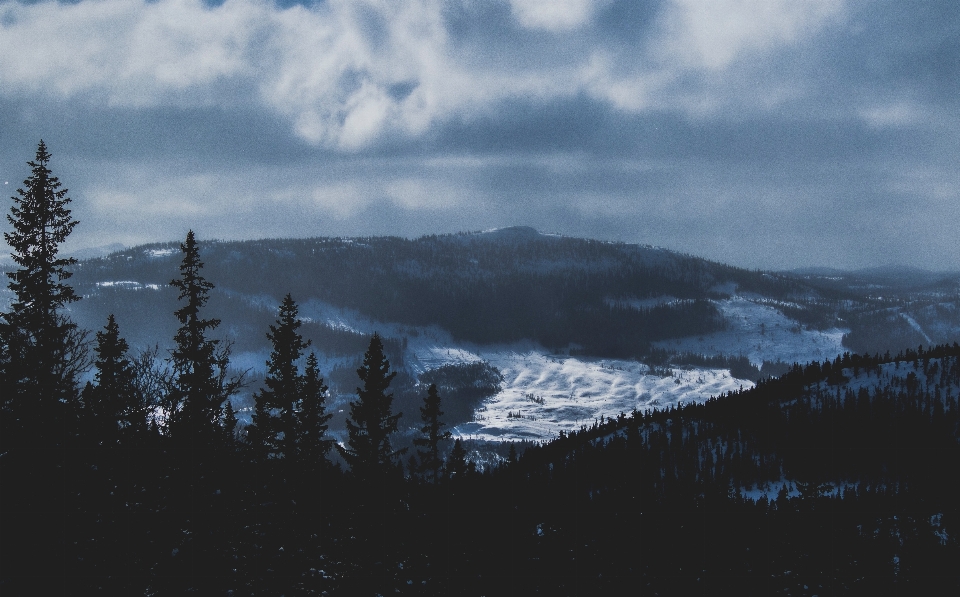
686	444
577	328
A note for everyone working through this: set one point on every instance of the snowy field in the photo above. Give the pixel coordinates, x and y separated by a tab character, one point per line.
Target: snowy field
542	393
761	333
545	393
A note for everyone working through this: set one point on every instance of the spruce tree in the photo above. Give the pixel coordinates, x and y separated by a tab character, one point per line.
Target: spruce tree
430	413
229	425
458	460
199	385
312	418
277	433
115	407
41	350
371	421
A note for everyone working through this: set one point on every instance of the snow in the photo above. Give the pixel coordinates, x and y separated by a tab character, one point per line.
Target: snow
127	285
916	326
552	392
761	333
557	392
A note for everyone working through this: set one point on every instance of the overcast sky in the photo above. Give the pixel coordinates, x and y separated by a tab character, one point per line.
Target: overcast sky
762	133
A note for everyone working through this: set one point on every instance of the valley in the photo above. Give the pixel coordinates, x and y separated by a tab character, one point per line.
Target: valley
577	329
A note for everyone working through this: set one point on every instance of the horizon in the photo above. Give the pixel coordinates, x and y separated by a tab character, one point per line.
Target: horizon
93	252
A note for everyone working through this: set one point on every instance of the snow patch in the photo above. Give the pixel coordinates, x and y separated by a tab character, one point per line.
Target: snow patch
127	285
761	333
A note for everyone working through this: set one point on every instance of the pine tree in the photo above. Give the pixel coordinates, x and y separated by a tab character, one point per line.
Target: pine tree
430	413
229	425
371	422
199	385
41	351
312	418
458	460
114	404
278	433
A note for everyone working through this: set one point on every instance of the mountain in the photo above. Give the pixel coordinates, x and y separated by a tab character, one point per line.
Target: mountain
676	462
576	328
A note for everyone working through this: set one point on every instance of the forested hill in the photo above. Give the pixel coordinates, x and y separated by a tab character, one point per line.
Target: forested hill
604	299
836	478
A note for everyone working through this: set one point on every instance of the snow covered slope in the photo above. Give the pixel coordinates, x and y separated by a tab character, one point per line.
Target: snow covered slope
452	299
758	331
545	393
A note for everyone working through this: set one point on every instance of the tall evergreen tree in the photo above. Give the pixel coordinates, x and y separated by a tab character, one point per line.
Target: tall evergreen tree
458	459
312	418
200	385
41	351
371	421
229	424
430	413
278	432
116	407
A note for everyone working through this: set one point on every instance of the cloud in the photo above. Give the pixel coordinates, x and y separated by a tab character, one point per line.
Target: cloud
739	129
125	52
711	35
553	15
343	72
350	74
340	200
891	115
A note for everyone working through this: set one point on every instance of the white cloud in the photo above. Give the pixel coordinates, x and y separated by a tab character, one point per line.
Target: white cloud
896	114
416	193
348	73
341	200
333	69
553	15
711	34
631	91
124	52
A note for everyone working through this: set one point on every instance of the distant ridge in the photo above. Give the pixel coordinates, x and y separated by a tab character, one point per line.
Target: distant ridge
891	274
512	233
95	252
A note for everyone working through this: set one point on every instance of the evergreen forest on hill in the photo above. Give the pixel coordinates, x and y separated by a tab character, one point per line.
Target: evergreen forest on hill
570	295
835	478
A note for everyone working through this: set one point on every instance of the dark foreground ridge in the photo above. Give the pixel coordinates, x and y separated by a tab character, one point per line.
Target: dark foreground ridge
837	477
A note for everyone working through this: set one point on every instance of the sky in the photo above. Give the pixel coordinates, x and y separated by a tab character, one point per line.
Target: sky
769	134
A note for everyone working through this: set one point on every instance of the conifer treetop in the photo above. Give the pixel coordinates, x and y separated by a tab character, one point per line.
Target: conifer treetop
371	420
41	221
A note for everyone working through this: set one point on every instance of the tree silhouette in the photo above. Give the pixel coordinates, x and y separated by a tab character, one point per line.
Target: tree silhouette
229	425
277	434
200	385
432	435
115	406
371	422
42	350
458	459
312	418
